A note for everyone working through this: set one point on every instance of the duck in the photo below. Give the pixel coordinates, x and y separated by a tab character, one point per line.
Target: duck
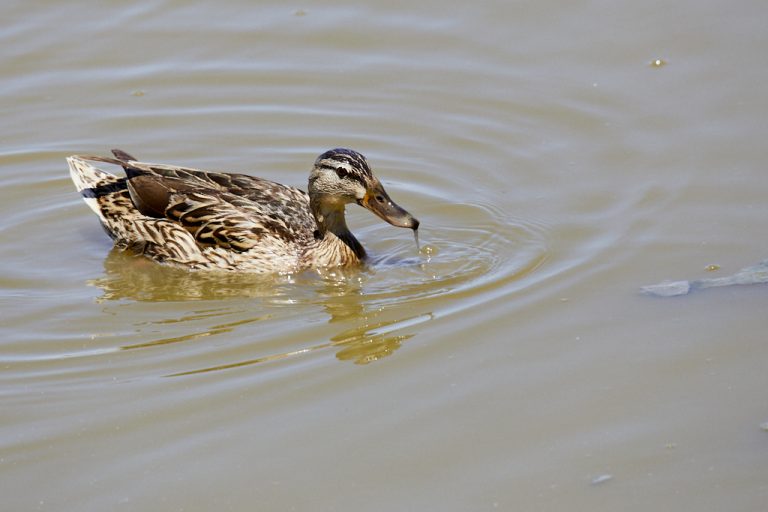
210	220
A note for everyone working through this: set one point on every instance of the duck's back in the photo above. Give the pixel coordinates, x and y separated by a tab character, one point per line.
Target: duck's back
280	211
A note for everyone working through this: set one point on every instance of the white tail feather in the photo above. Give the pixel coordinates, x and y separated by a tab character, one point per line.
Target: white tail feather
87	177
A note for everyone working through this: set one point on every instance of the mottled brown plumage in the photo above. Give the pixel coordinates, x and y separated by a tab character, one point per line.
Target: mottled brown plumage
225	221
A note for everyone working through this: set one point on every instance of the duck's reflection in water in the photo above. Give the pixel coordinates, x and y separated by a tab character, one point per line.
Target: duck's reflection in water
129	276
365	335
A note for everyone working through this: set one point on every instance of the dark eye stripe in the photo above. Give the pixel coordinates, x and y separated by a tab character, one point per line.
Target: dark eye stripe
355	174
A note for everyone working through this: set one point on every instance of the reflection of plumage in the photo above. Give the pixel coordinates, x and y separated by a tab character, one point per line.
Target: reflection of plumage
222	221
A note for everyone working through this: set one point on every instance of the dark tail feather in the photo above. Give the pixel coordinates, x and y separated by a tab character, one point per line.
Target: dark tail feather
124	159
122	155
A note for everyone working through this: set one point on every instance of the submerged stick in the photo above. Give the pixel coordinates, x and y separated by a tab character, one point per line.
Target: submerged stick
750	275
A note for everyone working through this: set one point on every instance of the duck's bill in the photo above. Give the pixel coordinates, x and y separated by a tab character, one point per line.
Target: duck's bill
378	202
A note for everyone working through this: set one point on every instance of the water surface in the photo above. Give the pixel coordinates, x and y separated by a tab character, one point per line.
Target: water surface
512	365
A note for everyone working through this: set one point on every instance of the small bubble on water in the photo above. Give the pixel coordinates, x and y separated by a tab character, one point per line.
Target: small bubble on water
428	250
712	268
657	63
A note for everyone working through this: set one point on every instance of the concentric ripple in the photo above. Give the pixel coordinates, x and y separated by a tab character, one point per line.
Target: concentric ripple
476	253
475	250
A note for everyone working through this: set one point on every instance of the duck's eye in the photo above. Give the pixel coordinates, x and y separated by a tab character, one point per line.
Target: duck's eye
341	172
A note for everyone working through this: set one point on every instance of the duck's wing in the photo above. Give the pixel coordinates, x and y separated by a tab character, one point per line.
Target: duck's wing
220	217
251	187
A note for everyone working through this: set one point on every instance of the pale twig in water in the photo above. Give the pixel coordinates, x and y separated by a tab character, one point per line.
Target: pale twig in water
749	275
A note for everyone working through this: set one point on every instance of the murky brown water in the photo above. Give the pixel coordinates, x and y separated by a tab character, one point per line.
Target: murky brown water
516	367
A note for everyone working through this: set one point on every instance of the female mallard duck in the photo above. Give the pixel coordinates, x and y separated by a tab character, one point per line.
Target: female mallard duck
220	221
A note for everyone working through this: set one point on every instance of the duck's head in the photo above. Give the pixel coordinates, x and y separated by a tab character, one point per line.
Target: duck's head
341	176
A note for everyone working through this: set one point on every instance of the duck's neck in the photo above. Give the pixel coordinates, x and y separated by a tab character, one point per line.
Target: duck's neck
335	241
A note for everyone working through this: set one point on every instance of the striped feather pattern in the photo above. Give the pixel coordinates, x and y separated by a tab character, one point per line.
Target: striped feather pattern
220	221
